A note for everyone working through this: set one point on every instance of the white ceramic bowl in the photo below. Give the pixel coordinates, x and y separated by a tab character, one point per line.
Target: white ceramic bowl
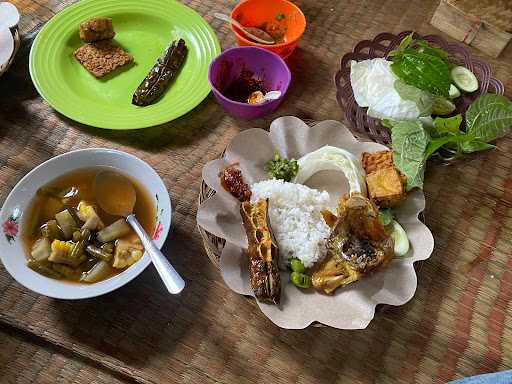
12	221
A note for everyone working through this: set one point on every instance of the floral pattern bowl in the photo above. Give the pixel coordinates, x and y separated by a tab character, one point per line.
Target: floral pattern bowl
12	252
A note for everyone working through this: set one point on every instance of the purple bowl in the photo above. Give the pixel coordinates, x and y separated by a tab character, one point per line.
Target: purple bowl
265	65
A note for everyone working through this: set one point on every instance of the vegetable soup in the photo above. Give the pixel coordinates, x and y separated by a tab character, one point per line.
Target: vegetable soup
68	236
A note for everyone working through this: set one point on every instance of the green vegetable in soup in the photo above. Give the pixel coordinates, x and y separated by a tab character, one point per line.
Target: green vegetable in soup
281	168
77	236
66	223
99	271
89	216
41	249
65	271
127	253
52	192
61	253
108	247
44	268
114	231
301	280
52	231
98	253
79	247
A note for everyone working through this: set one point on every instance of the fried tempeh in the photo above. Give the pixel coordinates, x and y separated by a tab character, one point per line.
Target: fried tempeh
97	28
263	252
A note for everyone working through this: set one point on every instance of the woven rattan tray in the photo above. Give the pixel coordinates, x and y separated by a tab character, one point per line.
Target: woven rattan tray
380	46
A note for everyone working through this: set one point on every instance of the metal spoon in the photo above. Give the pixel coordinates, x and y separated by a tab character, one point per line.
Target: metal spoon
253	33
116	195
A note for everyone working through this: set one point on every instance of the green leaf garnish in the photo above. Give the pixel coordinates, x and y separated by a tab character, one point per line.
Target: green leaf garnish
444	125
386	216
410	141
489	117
281	168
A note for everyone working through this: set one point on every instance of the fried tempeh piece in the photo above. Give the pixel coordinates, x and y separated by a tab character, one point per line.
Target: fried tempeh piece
97	28
263	253
102	57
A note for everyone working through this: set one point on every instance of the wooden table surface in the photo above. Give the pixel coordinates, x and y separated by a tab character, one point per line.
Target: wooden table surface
458	324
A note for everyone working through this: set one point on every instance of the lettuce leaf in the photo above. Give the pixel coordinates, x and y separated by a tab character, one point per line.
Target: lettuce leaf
422	99
375	86
410	141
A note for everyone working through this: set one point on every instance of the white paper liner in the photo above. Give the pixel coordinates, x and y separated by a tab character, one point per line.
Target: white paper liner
351	307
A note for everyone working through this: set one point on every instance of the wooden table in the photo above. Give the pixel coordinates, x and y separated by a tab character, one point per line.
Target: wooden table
458	324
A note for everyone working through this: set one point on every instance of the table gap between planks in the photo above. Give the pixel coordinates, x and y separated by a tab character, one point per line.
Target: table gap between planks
458	324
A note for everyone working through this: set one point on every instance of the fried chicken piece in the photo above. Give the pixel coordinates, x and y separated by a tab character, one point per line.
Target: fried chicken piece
385	187
263	253
358	244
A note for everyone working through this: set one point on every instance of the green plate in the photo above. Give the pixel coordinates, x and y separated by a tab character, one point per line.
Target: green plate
144	29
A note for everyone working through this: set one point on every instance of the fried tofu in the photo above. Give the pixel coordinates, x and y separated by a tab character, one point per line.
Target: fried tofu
385	187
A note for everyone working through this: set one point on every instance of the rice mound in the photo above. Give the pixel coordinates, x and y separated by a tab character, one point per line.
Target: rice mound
296	219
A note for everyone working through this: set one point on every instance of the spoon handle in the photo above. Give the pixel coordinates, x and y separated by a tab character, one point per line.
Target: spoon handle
224	17
170	277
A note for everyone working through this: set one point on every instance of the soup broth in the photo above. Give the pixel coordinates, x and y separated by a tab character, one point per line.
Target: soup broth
74	193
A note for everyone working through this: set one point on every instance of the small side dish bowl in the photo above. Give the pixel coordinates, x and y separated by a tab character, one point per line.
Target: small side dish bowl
14	222
262	65
282	19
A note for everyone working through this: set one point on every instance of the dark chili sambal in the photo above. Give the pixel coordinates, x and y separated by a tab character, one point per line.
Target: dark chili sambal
233	182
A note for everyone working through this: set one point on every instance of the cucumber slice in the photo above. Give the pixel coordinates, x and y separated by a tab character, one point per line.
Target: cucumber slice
453	91
400	238
442	106
464	79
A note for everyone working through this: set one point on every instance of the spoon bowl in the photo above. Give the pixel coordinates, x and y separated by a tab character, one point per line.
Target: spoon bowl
116	195
256	34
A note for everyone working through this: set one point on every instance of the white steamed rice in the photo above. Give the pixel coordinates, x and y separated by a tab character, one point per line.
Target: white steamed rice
295	218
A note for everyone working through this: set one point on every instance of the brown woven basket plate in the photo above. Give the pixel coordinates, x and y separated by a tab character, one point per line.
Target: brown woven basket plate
380	46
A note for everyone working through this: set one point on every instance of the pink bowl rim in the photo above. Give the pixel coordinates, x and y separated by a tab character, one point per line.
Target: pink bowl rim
218	93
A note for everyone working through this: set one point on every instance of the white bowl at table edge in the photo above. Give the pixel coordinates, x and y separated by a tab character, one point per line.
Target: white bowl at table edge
12	253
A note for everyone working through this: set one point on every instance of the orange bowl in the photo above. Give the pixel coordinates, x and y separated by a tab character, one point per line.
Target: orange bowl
283	20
